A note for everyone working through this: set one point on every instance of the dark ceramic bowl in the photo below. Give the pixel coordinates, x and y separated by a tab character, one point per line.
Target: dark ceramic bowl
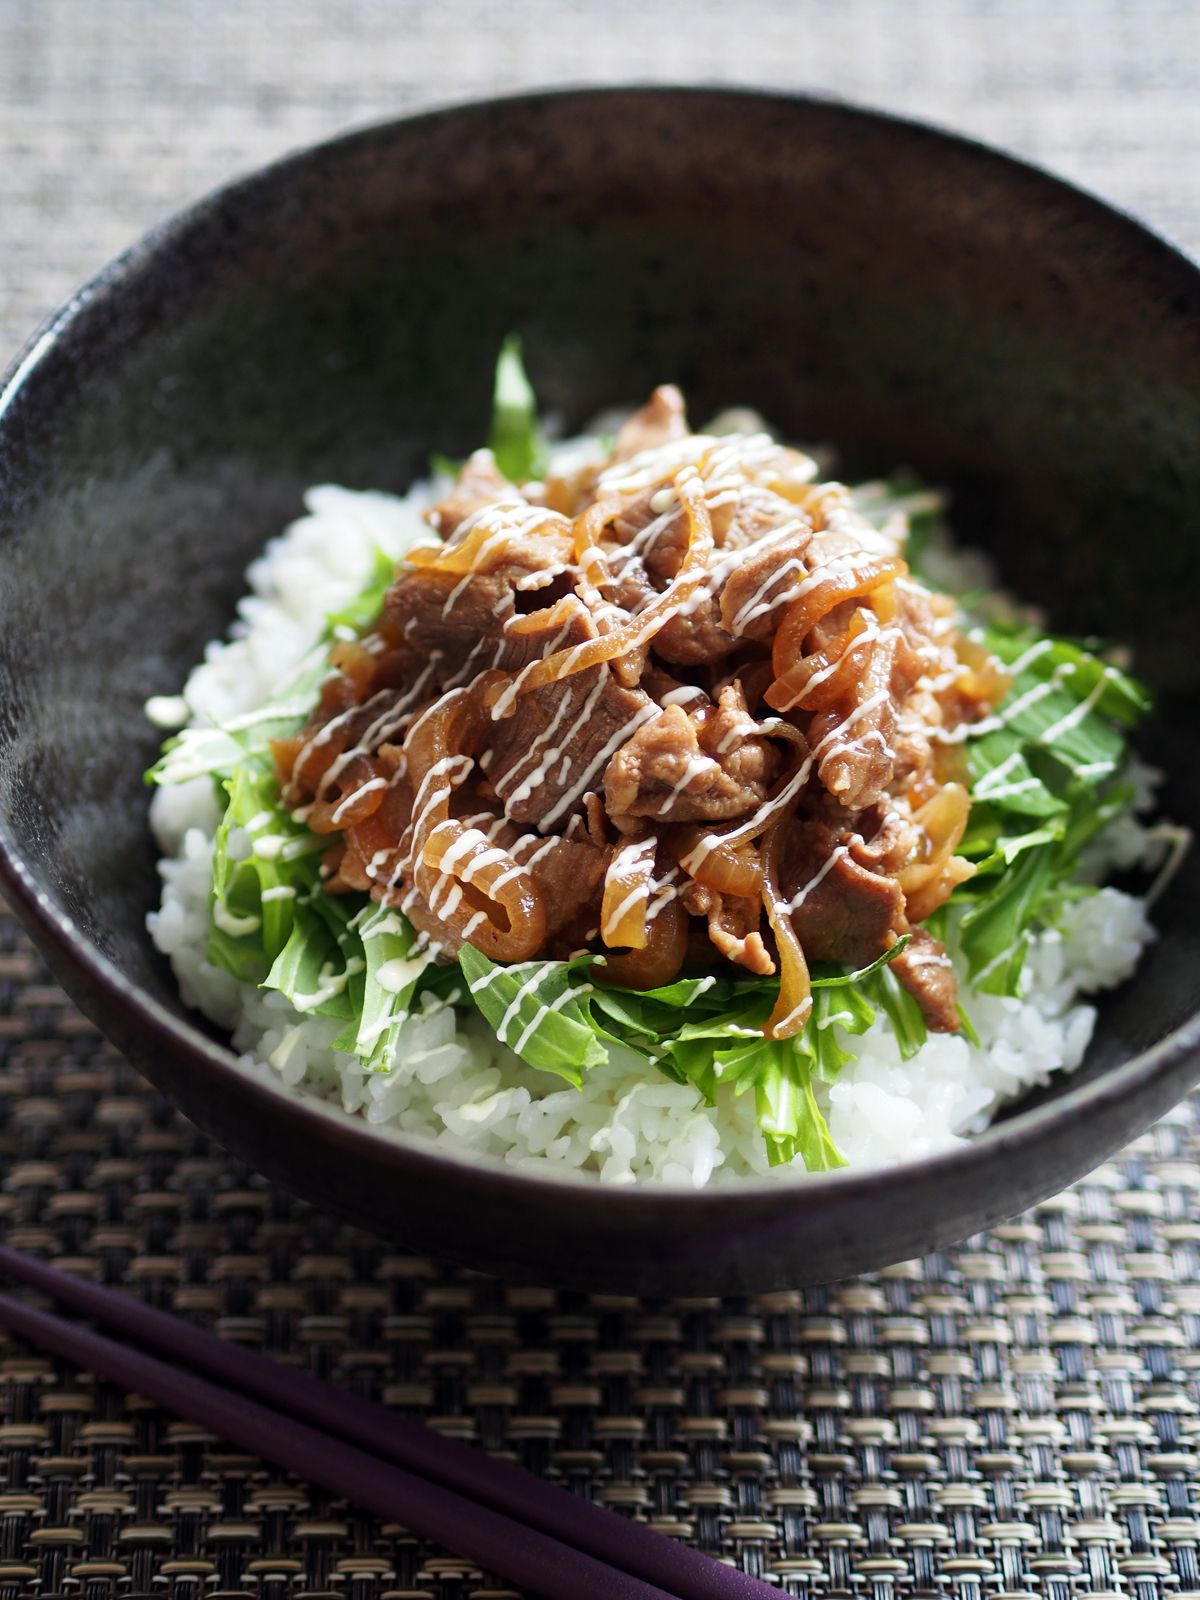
910	295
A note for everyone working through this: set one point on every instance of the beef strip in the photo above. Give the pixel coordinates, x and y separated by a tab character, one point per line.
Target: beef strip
660	420
571	875
415	615
923	967
733	925
554	746
846	913
694	636
854	748
479	482
760	585
708	629
471	631
664	773
883	839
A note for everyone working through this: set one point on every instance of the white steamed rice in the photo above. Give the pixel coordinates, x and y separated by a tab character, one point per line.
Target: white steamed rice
453	1084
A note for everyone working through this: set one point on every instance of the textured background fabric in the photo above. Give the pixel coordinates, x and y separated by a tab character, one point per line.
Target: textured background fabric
1015	1417
115	112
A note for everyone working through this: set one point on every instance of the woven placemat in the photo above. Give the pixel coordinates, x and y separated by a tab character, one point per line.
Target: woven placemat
1016	1417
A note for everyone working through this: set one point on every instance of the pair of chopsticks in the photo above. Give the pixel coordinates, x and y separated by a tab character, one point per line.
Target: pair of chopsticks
489	1511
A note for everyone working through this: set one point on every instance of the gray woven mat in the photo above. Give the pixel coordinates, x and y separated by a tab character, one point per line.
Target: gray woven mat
1017	1416
115	112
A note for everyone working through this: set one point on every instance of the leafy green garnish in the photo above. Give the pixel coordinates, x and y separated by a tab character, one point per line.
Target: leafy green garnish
516	440
218	751
264	864
314	970
539	1009
1045	780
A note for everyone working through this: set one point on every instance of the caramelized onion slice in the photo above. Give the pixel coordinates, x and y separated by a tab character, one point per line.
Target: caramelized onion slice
628	891
929	879
480	893
794	1006
659	960
847	578
588	533
776	805
484	544
640	629
821	679
730	867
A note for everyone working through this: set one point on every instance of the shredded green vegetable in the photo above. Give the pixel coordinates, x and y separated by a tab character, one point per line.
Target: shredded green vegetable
1045	774
516	439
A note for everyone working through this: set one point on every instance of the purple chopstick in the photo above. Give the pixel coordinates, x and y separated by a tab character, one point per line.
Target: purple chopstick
428	1509
626	1546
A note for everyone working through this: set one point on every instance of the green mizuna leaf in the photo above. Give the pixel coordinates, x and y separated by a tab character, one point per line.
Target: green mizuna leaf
1000	773
1113	693
516	440
393	974
538	1009
822	979
263	863
995	929
314	969
780	1073
902	1011
1065	705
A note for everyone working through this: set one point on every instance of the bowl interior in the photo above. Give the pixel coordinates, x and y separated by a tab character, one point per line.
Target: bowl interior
912	299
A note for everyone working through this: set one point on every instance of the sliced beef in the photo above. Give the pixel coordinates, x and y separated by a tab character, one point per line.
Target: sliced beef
716	616
663	772
471	630
663	554
923	967
760	585
883	840
571	876
841	912
734	926
660	420
422	613
554	747
479	482
729	732
695	636
631	588
853	742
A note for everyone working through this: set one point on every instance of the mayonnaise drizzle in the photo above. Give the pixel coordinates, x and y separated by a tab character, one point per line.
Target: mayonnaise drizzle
694	766
569	796
542	743
815	881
